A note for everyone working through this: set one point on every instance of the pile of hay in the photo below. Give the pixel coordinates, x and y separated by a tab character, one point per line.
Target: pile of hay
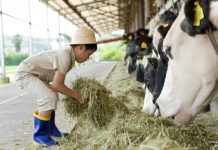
101	104
132	130
135	130
138	127
127	129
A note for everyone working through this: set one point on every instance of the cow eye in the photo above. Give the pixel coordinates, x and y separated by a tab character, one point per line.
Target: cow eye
146	81
168	52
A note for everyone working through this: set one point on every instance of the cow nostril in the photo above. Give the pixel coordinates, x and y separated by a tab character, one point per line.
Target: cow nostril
157	112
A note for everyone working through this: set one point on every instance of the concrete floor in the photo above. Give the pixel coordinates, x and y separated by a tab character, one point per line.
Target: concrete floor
16	106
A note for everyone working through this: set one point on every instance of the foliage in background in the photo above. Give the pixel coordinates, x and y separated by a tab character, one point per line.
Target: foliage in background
17	40
39	44
112	51
64	39
14	58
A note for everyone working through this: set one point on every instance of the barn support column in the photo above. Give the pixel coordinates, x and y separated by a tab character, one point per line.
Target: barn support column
141	15
147	8
3	78
133	17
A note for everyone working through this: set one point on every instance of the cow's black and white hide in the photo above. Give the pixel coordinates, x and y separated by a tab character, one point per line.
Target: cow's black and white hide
158	77
144	44
131	54
142	32
168	17
192	75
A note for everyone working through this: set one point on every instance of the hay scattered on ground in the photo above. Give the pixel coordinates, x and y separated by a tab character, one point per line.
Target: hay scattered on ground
101	104
134	130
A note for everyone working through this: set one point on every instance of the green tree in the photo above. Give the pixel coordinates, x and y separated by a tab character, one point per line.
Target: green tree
17	40
64	38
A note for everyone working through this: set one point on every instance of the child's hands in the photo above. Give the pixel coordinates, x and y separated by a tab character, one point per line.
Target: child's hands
79	98
85	104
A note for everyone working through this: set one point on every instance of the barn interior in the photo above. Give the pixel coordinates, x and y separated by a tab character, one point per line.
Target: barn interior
113	21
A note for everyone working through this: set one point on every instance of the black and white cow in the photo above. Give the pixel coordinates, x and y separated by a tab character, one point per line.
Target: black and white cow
131	54
192	75
155	68
138	46
144	44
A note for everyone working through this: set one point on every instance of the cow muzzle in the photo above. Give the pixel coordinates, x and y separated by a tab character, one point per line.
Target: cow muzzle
157	111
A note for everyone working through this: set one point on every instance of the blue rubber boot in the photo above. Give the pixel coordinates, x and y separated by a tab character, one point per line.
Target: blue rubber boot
41	131
54	130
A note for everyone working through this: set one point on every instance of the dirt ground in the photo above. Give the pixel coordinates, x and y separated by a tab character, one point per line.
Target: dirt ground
122	84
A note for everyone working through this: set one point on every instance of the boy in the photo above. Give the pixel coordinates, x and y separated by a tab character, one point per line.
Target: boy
43	76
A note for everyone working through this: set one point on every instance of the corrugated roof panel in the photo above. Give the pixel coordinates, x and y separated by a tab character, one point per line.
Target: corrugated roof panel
85	13
61	3
106	8
75	2
113	8
69	10
70	17
54	5
63	11
75	16
88	1
97	14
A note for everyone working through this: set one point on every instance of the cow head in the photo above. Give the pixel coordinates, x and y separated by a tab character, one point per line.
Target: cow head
155	69
144	44
152	24
191	79
131	54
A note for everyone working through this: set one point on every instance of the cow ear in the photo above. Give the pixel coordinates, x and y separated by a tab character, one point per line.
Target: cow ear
130	37
142	32
187	27
197	15
189	10
163	30
153	62
142	42
168	17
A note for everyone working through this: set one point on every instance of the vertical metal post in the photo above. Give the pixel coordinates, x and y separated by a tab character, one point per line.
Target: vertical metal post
173	4
147	8
59	30
141	16
2	54
48	42
30	33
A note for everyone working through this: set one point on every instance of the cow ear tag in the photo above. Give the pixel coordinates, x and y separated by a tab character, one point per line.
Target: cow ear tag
142	33
143	45
140	61
130	37
198	14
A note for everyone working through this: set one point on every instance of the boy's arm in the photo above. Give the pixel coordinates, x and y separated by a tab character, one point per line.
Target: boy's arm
59	86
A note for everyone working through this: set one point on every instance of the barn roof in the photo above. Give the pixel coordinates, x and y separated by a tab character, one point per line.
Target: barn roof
103	16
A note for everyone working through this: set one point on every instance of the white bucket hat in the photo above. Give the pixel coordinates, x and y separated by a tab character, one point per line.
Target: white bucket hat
83	36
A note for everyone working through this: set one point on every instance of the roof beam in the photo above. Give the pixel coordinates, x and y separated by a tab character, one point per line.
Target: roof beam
92	2
99	6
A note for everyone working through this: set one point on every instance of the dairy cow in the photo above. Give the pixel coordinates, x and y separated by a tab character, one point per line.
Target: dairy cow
192	75
156	67
130	57
144	44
